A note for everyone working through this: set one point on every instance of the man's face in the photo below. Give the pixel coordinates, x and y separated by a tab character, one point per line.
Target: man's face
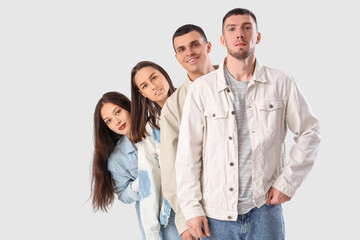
240	36
192	51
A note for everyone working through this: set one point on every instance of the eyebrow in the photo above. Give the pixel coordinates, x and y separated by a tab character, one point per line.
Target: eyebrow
232	24
111	112
144	82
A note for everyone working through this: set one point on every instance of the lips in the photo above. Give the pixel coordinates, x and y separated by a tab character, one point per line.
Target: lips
122	127
192	60
158	92
240	44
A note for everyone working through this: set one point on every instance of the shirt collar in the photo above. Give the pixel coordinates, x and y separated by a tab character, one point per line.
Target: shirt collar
259	75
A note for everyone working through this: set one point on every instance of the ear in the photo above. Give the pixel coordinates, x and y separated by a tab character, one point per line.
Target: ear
208	47
258	38
222	40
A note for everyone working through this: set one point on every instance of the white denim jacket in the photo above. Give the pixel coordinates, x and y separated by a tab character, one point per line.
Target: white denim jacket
207	156
154	208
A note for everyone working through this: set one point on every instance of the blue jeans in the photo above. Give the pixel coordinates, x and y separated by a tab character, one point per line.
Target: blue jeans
264	223
170	232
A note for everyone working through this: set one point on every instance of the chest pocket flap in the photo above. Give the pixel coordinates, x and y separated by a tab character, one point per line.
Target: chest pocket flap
269	105
215	113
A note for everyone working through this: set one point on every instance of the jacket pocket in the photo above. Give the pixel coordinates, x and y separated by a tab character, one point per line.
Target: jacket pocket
215	123
270	114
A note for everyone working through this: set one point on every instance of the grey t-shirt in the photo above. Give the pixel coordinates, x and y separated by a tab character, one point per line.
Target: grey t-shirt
238	89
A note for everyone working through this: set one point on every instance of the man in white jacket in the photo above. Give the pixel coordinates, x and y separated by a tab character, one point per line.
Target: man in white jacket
230	166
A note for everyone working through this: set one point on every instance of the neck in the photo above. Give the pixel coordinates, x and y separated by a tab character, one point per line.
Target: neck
194	75
241	70
161	103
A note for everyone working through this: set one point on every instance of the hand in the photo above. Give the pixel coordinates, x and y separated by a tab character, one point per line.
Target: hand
198	227
276	197
187	236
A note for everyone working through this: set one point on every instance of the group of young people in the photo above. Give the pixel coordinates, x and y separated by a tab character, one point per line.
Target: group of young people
205	160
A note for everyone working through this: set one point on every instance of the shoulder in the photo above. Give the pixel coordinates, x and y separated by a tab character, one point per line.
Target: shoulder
124	149
204	80
277	75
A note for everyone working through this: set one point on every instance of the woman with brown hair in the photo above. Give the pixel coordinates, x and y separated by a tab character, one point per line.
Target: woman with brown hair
150	88
115	162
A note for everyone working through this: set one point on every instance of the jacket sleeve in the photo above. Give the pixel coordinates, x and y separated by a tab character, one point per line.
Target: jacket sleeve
189	157
149	186
302	122
170	123
122	183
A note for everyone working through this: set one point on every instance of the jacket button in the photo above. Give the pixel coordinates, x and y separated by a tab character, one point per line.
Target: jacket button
228	90
229	217
230	138
232	164
233	112
271	106
231	189
214	115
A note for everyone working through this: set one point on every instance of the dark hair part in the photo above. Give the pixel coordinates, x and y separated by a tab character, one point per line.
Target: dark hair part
186	29
239	11
143	109
102	185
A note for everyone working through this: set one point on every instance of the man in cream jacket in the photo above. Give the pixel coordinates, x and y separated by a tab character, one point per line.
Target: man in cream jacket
230	167
192	51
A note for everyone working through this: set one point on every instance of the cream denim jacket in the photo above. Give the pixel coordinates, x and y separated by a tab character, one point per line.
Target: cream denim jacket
207	156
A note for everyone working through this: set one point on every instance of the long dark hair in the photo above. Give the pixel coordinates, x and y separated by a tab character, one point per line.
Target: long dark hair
102	185
143	109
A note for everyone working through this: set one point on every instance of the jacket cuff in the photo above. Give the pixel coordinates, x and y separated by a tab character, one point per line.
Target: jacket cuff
193	212
180	223
281	185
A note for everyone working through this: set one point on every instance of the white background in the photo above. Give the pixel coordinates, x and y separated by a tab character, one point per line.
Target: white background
58	57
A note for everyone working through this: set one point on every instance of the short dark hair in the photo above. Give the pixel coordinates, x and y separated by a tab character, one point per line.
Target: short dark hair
239	11
186	29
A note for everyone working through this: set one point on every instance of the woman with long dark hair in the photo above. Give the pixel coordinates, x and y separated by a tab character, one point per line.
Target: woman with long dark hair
150	88
115	162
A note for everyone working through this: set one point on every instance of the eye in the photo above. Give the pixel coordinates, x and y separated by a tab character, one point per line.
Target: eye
231	29
108	121
117	112
180	50
144	86
154	77
247	28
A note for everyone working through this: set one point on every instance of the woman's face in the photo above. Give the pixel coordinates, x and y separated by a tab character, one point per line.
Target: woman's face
116	118
152	85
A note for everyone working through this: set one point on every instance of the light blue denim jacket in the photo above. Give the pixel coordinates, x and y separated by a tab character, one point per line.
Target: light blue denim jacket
153	206
123	166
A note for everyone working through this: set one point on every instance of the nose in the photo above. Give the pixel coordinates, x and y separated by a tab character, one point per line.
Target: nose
189	51
153	84
240	34
117	120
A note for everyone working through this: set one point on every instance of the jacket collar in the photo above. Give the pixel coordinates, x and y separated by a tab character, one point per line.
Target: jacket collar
127	145
259	75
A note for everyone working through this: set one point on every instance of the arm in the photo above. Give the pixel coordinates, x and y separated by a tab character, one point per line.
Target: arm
170	123
149	184
189	158
122	182
302	122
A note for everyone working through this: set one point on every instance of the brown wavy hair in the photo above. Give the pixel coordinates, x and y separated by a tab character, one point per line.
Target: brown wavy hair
143	109
102	186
